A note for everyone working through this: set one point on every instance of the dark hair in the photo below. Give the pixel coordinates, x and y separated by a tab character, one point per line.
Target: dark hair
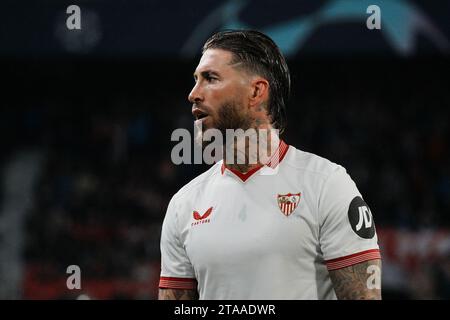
259	55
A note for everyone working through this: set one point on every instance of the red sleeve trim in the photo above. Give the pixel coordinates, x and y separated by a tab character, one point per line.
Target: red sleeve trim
353	259
177	283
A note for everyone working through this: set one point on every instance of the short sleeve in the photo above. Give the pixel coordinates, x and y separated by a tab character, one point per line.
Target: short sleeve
176	269
346	225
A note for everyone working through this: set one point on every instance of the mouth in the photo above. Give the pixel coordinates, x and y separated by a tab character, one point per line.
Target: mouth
199	114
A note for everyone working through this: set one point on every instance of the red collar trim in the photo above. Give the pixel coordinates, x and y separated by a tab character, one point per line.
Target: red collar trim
276	158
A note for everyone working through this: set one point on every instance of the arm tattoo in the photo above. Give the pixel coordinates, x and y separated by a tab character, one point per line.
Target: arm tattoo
357	282
177	294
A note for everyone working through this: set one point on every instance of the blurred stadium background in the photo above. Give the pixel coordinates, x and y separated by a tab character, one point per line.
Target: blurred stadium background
86	118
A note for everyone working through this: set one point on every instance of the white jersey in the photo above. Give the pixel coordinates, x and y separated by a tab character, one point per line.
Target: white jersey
273	233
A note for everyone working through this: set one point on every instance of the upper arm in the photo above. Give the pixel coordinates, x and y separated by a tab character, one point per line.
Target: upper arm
346	224
177	294
348	239
361	281
174	259
177	278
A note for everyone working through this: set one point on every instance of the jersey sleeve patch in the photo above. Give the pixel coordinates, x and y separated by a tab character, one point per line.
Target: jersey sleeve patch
361	219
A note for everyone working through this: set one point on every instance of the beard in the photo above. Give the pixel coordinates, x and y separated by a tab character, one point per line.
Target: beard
230	115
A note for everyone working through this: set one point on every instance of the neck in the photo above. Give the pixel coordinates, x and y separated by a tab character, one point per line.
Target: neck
251	149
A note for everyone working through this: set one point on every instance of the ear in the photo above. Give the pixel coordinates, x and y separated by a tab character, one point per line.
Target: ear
259	91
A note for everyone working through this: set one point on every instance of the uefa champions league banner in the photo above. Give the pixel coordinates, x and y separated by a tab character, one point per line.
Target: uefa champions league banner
178	28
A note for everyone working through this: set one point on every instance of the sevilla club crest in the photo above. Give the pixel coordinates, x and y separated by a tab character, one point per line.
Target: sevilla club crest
288	202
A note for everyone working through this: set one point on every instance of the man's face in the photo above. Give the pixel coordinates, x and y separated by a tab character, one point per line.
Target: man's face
220	94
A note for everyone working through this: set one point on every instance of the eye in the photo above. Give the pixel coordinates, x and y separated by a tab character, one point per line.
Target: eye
210	78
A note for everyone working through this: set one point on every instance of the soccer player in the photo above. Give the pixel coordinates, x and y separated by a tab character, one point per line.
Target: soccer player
292	225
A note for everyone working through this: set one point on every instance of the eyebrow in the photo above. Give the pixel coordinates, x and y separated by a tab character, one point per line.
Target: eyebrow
206	73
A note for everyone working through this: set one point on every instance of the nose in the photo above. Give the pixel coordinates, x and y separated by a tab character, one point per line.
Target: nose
196	95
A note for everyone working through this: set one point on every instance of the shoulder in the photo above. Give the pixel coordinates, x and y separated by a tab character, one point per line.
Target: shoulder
312	164
188	193
196	184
